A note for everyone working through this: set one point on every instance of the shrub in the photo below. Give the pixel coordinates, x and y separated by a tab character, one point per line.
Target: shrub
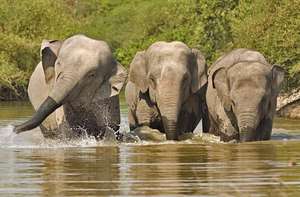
271	27
213	26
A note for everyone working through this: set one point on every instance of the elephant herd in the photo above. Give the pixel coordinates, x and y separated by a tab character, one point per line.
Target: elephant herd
75	91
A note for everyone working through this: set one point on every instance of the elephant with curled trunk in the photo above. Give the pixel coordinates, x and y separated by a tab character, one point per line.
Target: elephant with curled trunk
75	88
241	96
166	89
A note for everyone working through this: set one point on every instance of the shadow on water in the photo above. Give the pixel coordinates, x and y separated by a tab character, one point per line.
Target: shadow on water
33	166
11	111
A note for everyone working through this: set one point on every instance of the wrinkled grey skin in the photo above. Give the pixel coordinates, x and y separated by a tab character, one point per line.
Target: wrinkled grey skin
77	84
241	96
166	89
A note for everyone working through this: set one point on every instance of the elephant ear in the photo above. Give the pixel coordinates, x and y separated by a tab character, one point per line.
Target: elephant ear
220	83
138	71
49	53
113	85
199	71
117	80
277	77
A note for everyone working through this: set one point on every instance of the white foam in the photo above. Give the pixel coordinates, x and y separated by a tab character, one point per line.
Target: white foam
7	135
146	136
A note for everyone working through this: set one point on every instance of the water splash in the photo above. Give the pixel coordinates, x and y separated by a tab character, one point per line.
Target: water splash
34	139
7	135
140	136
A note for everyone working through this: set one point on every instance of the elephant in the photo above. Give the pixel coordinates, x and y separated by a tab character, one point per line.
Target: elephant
166	89
75	89
241	96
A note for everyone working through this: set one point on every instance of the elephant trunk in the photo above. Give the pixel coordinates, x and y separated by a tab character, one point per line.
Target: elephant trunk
171	130
169	112
247	126
62	89
46	108
64	85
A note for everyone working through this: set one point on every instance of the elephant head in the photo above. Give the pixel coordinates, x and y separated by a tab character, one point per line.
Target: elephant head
247	90
79	69
169	73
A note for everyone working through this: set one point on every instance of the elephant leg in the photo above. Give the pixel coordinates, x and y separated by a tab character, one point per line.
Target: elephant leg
191	113
147	115
264	130
223	128
132	99
205	118
46	133
205	124
187	122
95	119
213	127
183	122
133	123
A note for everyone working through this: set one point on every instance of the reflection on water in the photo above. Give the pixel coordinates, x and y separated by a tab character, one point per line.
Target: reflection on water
32	166
288	124
12	111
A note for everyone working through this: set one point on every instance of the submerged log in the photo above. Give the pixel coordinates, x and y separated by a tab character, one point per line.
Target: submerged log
288	104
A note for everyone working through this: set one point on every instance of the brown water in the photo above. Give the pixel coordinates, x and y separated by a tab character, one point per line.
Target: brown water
32	166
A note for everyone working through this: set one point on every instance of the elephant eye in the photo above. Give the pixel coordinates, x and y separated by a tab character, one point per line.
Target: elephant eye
232	103
152	82
59	75
185	78
91	75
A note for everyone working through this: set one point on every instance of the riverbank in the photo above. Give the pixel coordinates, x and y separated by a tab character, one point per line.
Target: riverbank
288	104
13	82
16	94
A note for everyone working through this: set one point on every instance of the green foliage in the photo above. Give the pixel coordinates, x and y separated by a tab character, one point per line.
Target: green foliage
137	24
23	25
13	81
213	26
273	28
17	57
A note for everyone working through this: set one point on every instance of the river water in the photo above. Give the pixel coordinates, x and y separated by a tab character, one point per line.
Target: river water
33	166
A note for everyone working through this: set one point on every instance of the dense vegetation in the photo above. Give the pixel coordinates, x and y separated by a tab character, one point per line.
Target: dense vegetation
213	26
